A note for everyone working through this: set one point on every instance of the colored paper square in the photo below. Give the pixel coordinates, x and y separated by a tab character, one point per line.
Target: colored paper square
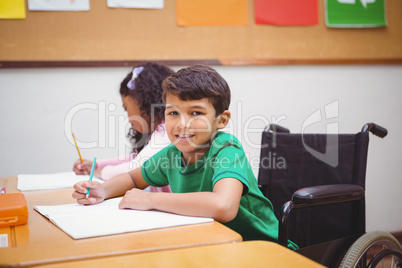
211	12
355	13
12	9
286	12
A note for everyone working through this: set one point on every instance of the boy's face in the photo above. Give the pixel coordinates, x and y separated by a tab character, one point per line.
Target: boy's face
191	124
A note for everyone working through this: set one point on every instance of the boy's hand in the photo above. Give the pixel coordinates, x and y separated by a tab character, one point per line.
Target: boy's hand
83	168
136	199
96	195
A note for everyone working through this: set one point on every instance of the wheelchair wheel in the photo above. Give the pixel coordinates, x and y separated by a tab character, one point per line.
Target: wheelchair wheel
371	249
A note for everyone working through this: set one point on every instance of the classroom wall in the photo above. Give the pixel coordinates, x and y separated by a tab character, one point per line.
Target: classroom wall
40	108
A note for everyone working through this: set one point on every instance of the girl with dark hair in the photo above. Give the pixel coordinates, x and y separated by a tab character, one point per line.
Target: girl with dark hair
141	94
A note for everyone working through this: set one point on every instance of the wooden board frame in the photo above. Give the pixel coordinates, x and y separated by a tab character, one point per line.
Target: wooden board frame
108	37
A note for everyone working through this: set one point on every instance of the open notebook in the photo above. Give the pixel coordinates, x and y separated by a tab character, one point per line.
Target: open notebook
80	221
27	182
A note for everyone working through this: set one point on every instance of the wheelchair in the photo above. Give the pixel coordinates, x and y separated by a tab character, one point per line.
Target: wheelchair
316	183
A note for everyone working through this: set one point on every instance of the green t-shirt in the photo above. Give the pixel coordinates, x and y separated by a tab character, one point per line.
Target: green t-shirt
225	158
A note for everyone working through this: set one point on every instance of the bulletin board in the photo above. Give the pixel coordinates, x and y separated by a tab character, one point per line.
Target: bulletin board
108	37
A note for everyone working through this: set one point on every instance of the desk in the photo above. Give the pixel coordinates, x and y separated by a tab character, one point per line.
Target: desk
253	254
41	242
11	184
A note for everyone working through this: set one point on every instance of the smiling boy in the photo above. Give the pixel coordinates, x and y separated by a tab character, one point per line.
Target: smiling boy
207	169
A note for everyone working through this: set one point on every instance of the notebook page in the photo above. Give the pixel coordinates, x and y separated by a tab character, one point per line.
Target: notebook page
27	182
80	221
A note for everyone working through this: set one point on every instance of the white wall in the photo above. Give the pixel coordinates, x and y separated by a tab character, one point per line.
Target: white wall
36	102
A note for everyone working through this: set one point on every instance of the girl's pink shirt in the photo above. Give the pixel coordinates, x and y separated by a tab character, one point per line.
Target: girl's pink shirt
115	166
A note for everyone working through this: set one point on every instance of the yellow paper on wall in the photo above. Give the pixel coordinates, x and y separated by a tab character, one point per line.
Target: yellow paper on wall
12	9
211	12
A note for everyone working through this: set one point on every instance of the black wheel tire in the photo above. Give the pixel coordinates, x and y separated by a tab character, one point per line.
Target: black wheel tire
366	242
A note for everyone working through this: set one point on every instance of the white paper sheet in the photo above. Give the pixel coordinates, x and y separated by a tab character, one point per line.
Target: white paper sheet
59	5
154	4
80	221
27	182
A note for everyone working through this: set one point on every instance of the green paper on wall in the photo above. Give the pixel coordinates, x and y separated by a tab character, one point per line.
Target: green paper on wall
355	13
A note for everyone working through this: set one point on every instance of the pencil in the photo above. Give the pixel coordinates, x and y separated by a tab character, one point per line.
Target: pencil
91	175
78	150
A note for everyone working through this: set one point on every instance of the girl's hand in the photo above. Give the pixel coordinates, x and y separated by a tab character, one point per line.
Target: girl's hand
136	199
96	195
83	168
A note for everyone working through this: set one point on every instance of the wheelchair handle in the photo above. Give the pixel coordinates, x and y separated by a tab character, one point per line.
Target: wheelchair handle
375	129
276	128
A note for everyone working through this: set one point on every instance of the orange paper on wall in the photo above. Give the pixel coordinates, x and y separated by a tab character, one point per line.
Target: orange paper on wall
211	12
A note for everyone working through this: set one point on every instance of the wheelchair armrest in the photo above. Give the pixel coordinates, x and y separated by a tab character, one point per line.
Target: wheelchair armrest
315	196
327	194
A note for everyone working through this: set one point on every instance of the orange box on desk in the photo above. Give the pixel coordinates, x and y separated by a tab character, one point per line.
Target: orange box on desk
13	209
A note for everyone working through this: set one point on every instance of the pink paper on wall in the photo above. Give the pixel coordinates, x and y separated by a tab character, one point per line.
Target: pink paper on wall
286	12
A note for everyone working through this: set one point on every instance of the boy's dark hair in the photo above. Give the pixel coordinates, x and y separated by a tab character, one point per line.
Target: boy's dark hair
148	93
197	82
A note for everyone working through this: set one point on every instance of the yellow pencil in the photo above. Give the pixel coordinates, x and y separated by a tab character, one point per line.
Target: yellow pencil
78	150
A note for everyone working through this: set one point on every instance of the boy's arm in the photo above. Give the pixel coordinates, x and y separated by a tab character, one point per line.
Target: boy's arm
116	186
222	204
120	184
